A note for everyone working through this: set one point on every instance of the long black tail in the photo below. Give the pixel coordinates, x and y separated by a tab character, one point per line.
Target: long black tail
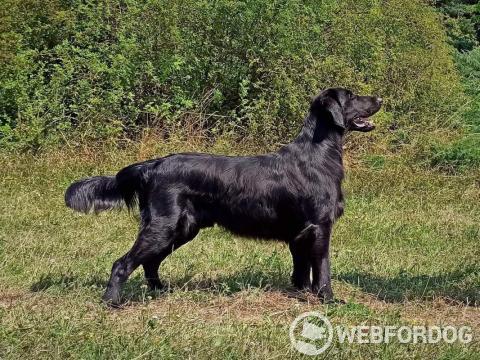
101	193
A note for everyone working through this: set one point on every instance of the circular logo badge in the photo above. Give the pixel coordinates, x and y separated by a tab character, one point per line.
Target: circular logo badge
311	333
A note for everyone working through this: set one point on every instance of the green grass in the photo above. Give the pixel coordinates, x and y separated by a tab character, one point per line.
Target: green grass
406	252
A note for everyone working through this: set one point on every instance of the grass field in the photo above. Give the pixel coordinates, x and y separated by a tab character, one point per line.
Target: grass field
406	252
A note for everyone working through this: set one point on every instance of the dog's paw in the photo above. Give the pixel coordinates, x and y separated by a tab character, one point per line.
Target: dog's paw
155	285
325	294
301	284
112	299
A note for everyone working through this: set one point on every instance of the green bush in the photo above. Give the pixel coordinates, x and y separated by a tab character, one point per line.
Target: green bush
462	20
461	155
104	69
465	152
469	67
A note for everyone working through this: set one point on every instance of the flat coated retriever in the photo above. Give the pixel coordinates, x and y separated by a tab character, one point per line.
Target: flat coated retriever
293	195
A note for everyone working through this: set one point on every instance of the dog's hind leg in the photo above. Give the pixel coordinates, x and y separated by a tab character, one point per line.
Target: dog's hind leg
186	230
152	243
150	267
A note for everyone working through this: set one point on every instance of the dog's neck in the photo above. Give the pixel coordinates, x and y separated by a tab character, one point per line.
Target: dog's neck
316	131
321	142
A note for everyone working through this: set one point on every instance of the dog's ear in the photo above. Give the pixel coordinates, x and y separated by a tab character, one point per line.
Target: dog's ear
335	111
327	106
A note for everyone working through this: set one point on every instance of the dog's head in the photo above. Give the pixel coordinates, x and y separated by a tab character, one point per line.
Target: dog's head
345	109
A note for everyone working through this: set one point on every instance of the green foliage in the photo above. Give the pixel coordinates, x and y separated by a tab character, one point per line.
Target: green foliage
465	152
462	19
469	67
375	161
103	69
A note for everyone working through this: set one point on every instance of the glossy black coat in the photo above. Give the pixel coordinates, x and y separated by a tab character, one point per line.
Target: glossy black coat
293	195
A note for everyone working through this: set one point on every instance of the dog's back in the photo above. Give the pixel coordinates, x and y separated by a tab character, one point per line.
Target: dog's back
292	195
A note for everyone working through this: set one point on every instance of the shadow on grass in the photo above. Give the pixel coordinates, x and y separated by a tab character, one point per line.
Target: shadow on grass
227	285
461	286
135	290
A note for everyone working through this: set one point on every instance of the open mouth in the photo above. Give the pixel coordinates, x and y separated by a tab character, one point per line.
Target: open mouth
362	124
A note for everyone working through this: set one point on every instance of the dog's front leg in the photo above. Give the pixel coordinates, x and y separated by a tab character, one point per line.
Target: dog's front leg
300	247
301	266
320	258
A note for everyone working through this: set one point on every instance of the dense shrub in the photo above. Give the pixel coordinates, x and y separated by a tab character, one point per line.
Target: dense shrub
461	155
469	67
462	20
106	68
464	152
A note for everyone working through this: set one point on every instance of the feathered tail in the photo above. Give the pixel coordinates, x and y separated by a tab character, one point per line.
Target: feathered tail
101	193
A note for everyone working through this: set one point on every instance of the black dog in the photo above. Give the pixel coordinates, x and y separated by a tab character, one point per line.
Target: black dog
293	195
